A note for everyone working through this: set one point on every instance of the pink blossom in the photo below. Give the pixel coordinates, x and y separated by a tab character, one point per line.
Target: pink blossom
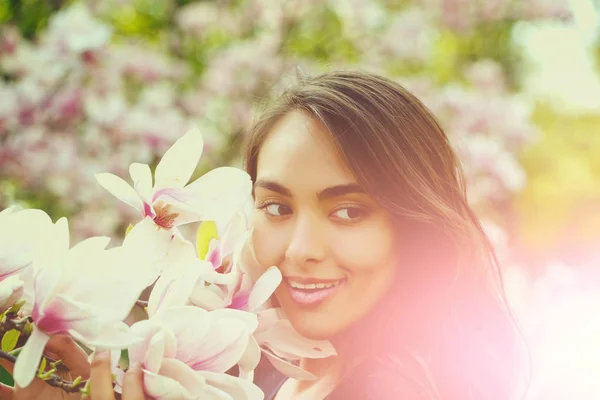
70	287
185	352
169	202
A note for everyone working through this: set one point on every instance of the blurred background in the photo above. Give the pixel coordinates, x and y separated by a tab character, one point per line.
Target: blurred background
92	86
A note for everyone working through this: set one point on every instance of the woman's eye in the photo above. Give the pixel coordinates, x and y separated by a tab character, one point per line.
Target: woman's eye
276	209
350	213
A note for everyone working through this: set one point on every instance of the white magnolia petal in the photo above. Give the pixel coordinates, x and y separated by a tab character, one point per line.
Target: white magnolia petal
115	271
181	254
11	291
234	233
120	189
20	233
208	297
251	356
264	287
147	246
142	181
220	193
208	273
179	162
77	259
7	211
288	369
171	292
113	336
238	389
29	358
48	263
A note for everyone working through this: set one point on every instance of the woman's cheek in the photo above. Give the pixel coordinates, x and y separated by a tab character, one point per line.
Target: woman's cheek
269	245
364	249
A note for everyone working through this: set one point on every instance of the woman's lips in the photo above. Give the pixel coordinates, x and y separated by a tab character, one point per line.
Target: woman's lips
312	294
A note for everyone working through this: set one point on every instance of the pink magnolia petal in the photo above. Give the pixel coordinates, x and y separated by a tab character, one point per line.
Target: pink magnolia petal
251	356
264	288
155	352
121	190
61	313
187	377
287	368
191	325
29	358
145	330
238	389
179	162
286	342
227	343
268	318
142	181
119	378
164	388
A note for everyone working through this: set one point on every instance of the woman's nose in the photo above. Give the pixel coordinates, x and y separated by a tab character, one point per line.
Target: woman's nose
307	244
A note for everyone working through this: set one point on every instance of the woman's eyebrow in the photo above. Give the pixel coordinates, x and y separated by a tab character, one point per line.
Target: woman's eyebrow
340	190
272	186
327	193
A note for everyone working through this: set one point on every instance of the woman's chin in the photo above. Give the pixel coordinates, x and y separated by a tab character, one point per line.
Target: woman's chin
314	328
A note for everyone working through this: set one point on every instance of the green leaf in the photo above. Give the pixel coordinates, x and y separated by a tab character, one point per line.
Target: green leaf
9	340
5	377
16	307
207	231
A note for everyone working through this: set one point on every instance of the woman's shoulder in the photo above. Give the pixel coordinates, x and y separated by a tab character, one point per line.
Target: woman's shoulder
386	378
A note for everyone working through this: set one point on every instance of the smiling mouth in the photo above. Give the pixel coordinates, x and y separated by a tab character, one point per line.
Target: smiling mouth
312	294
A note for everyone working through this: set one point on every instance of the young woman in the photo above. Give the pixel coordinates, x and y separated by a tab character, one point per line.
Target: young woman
360	201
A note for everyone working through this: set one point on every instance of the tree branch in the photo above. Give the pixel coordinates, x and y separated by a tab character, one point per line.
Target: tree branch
53	380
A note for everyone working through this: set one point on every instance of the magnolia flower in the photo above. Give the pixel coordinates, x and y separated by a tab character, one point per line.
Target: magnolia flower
170	203
185	352
20	232
87	291
228	287
224	255
283	345
182	271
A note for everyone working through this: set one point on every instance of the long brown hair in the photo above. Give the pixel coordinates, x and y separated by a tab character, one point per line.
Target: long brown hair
448	308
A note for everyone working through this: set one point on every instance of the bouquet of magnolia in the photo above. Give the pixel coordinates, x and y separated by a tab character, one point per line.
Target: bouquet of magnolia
203	316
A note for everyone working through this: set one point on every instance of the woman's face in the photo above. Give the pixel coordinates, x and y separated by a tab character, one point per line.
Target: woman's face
333	244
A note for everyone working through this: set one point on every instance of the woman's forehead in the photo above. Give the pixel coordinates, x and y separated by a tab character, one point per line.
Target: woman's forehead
300	150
